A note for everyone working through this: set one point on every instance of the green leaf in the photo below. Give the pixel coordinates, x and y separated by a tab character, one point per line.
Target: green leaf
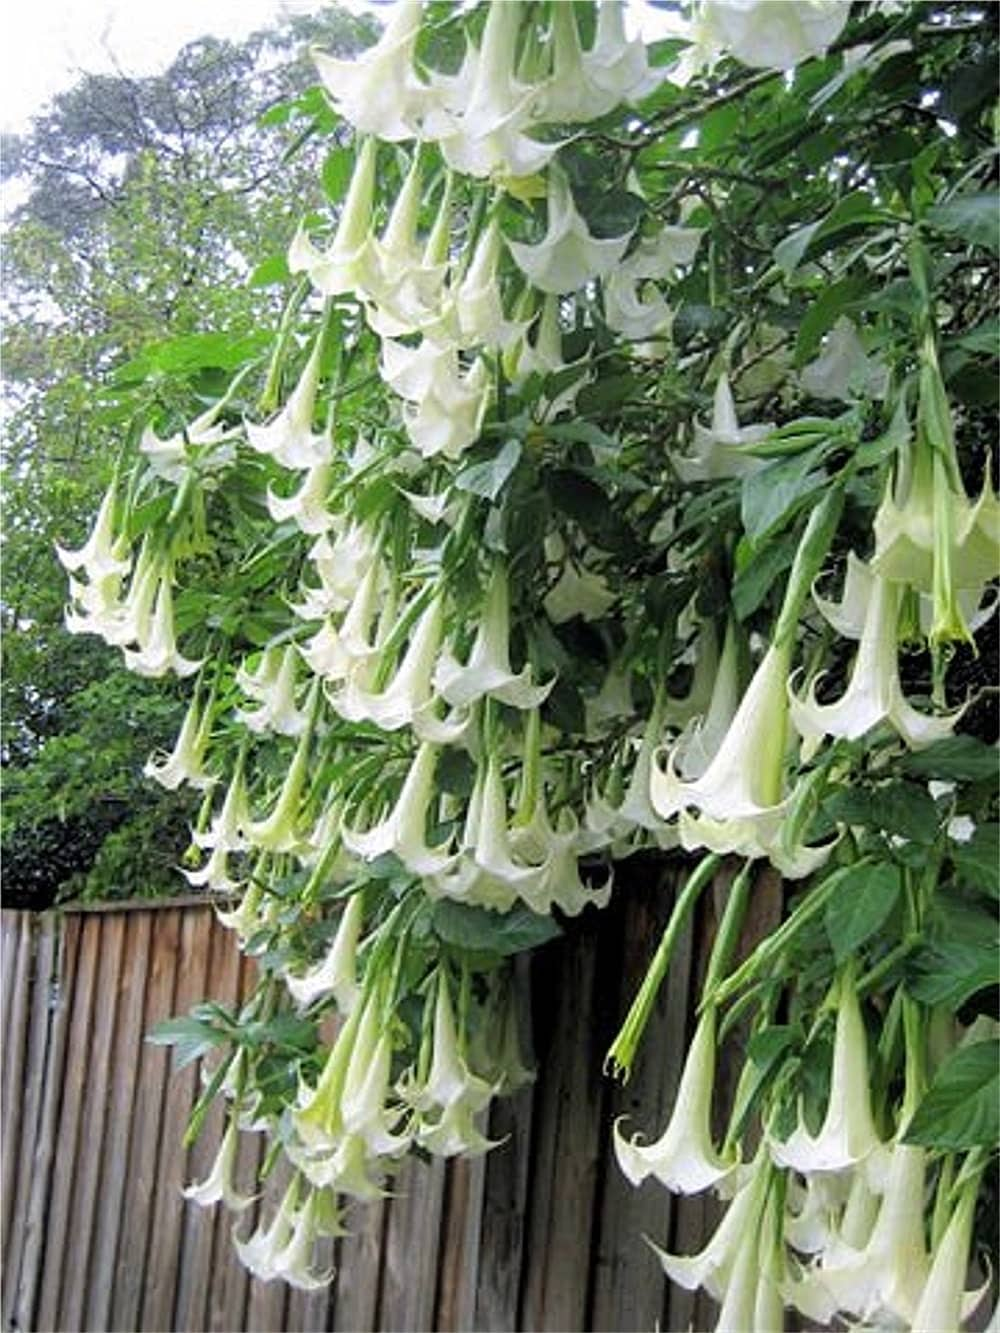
757	574
974	217
190	1038
959	958
852	211
479	930
961	758
770	495
962	1106
822	315
336	173
489	478
863	900
270	272
983	338
977	862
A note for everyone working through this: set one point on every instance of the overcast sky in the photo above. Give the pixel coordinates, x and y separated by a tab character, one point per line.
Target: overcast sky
47	43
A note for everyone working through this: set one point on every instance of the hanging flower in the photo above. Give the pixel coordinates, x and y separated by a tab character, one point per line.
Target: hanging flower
336	973
157	652
403	830
103	553
944	1302
348	265
569	255
684	1157
289	439
719	448
186	761
847	1137
842	371
218	1184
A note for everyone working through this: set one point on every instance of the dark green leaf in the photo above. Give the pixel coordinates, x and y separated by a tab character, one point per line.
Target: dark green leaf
974	217
959	958
336	172
962	1106
977	862
189	1037
770	495
958	757
489	478
481	931
863	900
270	272
755	578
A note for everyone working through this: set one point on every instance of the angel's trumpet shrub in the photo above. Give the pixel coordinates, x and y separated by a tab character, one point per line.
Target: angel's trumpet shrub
218	1184
874	693
719	448
684	1158
336	973
569	255
186	761
847	1137
289	439
348	265
488	670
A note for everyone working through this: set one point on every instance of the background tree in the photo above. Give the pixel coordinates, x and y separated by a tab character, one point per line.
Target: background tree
149	208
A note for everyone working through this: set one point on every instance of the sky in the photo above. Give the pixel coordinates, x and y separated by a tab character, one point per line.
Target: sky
48	43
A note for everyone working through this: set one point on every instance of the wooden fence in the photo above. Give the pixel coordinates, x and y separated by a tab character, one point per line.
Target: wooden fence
543	1233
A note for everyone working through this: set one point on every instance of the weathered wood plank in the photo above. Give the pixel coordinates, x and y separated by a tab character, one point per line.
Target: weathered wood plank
461	1232
197	1271
22	1314
563	1173
411	1241
130	1264
628	1282
28	1113
126	991
359	1262
90	1161
161	1267
15	1052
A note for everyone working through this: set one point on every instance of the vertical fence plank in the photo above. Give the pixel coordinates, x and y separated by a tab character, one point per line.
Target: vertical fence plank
15	1050
161	1268
68	1145
461	1233
130	1264
128	991
359	1261
565	1155
27	1116
411	1241
199	1270
89	1161
23	1314
628	1282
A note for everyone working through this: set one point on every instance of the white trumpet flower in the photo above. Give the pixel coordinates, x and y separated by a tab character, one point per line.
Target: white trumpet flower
292	1263
714	1266
484	112
228	828
336	973
379	91
261	1251
277	711
218	1184
684	1157
477	302
768	36
944	1302
349	264
103	553
718	449
842	371
186	761
488	670
452	1095
306	508
449	419
279	831
341	566
403	830
847	1137
289	439
874	693
157	652
364	1103
169	458
569	255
